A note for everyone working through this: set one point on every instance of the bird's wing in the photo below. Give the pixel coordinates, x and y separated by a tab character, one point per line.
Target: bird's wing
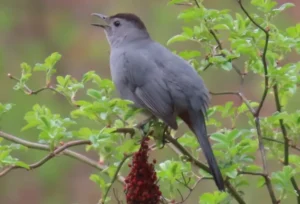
149	87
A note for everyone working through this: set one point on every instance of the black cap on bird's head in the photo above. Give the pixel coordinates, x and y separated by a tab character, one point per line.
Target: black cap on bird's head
122	27
132	18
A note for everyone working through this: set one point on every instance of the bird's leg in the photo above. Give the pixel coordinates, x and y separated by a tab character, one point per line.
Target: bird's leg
165	132
142	124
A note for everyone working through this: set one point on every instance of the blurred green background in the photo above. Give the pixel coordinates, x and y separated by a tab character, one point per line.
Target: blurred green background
30	30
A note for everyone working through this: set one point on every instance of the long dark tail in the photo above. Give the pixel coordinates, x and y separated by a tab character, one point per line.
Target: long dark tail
196	122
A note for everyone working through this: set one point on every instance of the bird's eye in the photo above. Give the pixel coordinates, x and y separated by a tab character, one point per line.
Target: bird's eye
117	23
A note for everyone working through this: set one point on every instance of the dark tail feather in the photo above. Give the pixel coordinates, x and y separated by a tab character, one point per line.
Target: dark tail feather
199	128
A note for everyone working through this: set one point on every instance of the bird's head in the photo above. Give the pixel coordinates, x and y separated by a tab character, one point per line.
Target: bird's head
122	28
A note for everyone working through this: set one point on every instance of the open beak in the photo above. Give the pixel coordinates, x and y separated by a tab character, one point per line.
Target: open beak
104	17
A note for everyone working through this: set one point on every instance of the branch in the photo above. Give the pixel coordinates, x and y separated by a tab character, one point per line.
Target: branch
216	39
207	66
282	126
295	185
285	138
197	4
219	45
240	95
70	153
201	165
263	57
234	192
48	157
268	183
190	190
280	142
30	91
186	153
130	131
261	144
102	201
266	88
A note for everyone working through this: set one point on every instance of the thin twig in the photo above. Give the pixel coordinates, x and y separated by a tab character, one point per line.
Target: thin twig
207	66
184	4
190	190
239	94
295	185
216	39
197	4
116	196
130	131
252	173
102	201
29	91
281	142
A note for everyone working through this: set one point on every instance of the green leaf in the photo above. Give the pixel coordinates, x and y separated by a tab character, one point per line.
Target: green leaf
261	182
219	137
227	66
220	27
282	180
283	7
213	198
176	2
95	94
189	54
100	181
5	108
232	174
177	38
22	164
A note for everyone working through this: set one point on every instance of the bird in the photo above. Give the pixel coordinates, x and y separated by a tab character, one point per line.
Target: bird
157	80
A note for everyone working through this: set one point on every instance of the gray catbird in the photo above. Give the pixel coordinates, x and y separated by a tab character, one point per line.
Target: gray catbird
157	80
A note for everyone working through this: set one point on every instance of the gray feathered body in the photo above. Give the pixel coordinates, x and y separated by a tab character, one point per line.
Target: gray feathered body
155	79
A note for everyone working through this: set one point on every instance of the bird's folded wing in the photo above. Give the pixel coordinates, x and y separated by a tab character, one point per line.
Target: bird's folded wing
158	101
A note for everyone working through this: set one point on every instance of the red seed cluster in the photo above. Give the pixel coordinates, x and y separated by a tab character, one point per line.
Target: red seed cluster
141	184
